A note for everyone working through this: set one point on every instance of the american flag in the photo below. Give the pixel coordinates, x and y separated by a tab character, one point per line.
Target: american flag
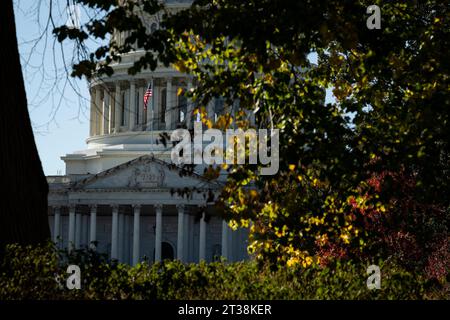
148	94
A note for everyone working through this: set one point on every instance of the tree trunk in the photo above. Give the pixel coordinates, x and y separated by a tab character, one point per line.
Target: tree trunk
23	186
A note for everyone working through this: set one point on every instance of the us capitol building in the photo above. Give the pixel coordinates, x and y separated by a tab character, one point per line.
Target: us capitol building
118	194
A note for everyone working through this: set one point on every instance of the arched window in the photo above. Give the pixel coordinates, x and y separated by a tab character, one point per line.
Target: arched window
167	252
162	114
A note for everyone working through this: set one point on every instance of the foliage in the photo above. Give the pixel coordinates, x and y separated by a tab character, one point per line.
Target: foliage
40	273
389	121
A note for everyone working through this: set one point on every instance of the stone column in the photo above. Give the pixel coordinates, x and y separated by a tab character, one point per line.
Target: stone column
190	106
98	109
230	244
142	121
252	118
71	239
92	113
78	226
202	238
187	236
126	240
158	233
106	107
93	233
115	232
169	105
111	113
225	231
180	235
136	234
210	110
191	226
57	225
117	111
150	106
121	236
132	105
126	108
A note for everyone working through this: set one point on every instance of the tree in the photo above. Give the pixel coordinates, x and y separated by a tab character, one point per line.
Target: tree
389	120
23	214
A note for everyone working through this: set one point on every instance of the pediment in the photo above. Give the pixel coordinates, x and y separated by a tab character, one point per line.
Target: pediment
145	172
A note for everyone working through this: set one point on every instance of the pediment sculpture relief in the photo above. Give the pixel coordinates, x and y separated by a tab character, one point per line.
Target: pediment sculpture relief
148	176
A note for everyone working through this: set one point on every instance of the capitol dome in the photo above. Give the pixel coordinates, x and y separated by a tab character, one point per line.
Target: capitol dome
122	128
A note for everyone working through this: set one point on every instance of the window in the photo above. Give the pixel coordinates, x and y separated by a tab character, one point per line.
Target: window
167	252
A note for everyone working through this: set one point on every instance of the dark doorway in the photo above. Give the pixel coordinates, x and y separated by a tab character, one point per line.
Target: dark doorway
167	252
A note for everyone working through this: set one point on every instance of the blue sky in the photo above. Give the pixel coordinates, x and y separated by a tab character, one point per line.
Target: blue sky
58	114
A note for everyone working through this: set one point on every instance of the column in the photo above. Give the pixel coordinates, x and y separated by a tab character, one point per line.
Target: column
132	105
136	234
187	234
252	118
192	257
190	106
230	245
126	108
115	231
121	236
106	107
98	109
111	115
225	231
210	109
150	106
202	244
126	240
117	107
92	113
78	226
142	121
180	235
93	233
57	225
169	105
158	233
71	240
